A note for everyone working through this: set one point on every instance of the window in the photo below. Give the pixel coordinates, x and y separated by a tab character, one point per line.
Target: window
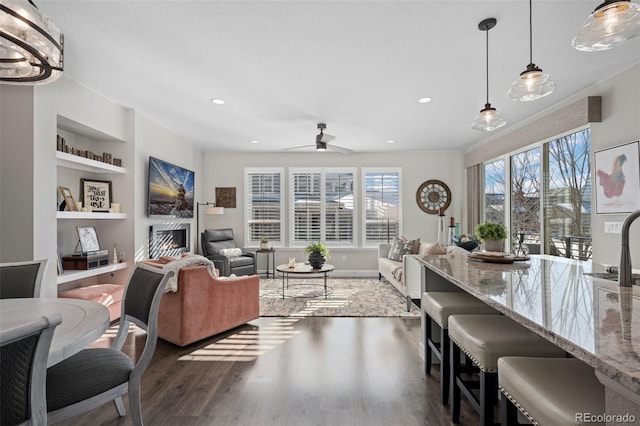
550	195
494	195
264	205
567	200
381	201
323	206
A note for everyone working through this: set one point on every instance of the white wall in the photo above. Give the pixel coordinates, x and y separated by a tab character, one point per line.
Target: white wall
225	169
151	139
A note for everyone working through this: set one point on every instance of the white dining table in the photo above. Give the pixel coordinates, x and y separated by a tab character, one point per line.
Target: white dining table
83	322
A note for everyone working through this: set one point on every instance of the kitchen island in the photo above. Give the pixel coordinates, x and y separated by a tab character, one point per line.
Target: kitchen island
593	319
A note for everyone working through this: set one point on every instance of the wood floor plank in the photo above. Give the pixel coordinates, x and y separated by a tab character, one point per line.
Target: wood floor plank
311	371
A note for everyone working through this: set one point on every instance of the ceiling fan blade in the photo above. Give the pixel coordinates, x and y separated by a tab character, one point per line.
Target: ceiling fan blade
325	138
339	149
298	147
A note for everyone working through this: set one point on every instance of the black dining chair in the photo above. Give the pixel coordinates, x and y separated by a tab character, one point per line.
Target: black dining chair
94	376
23	364
21	279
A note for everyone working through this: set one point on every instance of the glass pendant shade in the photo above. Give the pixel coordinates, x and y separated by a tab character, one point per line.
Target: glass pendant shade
610	25
489	119
31	46
532	84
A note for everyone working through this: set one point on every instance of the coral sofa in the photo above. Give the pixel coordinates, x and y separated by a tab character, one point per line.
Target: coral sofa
204	306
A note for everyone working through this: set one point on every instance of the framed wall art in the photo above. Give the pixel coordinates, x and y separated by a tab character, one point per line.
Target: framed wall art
617	179
226	197
96	194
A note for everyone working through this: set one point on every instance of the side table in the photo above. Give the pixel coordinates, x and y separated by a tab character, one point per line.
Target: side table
271	267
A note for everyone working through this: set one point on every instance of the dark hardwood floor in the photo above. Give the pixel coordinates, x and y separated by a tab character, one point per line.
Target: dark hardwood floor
291	372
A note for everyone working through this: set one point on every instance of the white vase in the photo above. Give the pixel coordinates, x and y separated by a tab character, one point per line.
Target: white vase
492	245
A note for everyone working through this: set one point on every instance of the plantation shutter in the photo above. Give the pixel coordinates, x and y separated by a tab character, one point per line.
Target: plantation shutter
381	205
264	206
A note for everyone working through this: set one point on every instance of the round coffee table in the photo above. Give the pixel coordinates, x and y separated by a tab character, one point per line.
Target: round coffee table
302	269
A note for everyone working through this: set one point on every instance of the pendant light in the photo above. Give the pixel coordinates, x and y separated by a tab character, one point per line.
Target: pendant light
31	45
532	83
610	25
489	118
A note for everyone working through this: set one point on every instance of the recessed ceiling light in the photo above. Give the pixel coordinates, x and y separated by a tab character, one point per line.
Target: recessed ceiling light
217	101
391	141
255	142
424	100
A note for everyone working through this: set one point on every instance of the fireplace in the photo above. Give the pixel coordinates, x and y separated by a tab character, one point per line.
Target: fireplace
169	239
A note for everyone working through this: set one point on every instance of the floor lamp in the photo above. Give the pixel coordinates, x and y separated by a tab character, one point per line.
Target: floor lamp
211	209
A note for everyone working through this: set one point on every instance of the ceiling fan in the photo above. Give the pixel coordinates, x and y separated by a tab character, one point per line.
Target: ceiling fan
322	143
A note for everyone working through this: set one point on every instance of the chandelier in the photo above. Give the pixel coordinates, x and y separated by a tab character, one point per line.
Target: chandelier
31	46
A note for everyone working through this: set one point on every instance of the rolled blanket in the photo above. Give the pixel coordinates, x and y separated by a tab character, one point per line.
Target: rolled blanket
176	265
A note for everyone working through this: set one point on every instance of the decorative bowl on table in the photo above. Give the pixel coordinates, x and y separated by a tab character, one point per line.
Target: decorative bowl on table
467	244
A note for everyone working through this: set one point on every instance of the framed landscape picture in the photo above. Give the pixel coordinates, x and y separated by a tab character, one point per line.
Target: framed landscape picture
618	179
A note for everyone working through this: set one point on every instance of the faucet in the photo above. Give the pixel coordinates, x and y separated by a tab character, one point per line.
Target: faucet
625	274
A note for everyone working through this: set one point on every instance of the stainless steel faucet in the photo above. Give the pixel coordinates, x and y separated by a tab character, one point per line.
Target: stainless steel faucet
625	278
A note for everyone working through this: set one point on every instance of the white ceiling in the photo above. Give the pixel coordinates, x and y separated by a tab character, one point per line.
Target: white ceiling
359	66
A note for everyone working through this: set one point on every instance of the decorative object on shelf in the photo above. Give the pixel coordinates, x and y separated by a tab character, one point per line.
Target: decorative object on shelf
114	256
489	118
491	235
115	207
68	200
618	178
433	196
532	83
210	210
226	197
611	24
31	46
264	243
117	162
318	254
96	194
60	143
107	157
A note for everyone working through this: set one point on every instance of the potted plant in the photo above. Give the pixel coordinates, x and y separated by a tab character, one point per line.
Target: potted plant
492	235
264	243
318	254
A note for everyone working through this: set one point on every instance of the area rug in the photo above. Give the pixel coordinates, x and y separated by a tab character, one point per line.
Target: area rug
347	297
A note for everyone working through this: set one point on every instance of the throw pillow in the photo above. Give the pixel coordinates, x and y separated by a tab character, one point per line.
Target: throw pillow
231	252
416	243
437	248
399	248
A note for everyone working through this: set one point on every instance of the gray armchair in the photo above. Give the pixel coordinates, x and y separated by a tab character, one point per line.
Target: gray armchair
214	240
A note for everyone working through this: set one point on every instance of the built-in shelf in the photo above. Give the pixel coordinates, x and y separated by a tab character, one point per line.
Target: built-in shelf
71	161
90	215
69	276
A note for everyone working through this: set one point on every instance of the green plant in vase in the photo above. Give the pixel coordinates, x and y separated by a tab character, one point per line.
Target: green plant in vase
492	235
318	253
264	243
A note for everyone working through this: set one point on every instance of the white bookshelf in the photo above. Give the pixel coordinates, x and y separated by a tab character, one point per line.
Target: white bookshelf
69	276
90	215
71	161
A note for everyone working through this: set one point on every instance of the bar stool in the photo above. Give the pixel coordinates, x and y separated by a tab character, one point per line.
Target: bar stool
548	391
484	339
437	307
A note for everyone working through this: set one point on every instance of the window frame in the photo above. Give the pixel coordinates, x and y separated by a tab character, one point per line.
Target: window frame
323	171
248	205
382	170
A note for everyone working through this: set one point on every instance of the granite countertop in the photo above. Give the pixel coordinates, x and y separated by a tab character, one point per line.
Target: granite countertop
591	318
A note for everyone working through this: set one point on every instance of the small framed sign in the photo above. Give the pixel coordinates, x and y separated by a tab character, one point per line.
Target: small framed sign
96	194
69	201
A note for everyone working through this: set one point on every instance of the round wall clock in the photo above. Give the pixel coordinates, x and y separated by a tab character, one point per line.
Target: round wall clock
433	195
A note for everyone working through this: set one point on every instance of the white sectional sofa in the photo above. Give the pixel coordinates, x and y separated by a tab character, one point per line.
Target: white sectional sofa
406	275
